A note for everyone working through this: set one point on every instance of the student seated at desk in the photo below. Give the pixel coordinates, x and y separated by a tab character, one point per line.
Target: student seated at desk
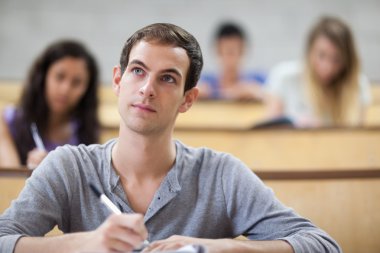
170	194
60	99
231	83
328	89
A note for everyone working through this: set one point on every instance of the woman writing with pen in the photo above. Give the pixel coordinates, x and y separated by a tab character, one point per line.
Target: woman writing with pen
58	106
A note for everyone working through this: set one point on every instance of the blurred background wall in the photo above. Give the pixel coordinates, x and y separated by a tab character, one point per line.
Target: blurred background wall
277	29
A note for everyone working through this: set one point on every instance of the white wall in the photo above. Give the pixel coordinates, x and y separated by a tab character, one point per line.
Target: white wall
276	28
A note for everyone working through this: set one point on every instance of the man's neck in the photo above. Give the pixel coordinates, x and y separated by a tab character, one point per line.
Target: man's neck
140	157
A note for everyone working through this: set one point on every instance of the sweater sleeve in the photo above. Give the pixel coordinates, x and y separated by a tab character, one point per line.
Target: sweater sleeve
256	213
40	206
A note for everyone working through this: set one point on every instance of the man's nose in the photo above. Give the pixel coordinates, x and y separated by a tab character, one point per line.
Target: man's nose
148	89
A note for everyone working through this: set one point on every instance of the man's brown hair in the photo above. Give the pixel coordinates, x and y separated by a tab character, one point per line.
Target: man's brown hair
168	34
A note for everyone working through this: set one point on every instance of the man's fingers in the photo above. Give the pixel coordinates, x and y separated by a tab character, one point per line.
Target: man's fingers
127	231
118	245
134	222
125	235
164	247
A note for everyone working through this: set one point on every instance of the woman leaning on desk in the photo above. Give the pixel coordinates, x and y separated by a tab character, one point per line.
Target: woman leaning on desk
60	99
328	89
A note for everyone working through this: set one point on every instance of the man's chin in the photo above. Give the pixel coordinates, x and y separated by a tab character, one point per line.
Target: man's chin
143	129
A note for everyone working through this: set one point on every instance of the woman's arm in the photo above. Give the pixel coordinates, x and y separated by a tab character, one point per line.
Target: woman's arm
274	106
8	152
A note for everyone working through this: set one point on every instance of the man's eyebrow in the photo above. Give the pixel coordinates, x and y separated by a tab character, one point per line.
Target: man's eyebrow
169	70
173	71
138	62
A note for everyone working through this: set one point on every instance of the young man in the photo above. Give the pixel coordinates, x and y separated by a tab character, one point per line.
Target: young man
170	194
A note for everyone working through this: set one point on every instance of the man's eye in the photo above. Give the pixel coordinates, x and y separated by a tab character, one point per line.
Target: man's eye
168	79
138	71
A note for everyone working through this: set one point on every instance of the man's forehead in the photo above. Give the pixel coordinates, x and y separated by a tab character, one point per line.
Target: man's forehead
150	47
159	55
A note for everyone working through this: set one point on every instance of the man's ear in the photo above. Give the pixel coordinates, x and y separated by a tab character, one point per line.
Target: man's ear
190	97
116	80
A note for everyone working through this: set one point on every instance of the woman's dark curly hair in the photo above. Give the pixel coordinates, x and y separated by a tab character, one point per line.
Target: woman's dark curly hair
33	106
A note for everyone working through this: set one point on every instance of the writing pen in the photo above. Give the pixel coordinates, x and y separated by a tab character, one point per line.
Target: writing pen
111	206
36	137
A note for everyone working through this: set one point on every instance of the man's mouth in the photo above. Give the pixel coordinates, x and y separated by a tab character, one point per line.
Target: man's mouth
144	107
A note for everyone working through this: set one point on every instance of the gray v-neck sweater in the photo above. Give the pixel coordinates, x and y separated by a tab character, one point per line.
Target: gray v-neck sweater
206	194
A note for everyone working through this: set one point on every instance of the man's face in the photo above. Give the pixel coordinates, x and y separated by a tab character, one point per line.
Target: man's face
151	90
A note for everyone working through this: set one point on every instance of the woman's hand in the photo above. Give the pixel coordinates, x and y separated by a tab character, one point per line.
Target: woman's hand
35	157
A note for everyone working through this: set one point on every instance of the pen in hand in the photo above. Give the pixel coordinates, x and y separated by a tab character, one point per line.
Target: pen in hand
36	137
36	155
113	208
106	201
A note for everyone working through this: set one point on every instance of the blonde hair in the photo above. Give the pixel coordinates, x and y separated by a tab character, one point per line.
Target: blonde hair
338	103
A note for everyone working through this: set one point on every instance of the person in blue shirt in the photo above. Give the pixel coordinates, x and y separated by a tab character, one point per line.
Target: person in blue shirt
231	83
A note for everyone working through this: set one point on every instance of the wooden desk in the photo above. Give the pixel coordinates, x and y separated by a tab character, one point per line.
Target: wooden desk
10	91
295	149
372	115
221	115
211	114
11	183
347	209
288	149
375	91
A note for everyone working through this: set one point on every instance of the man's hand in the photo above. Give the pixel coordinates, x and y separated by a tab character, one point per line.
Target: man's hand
119	233
176	242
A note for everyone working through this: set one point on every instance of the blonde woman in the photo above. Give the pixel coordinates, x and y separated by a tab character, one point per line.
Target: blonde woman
327	89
